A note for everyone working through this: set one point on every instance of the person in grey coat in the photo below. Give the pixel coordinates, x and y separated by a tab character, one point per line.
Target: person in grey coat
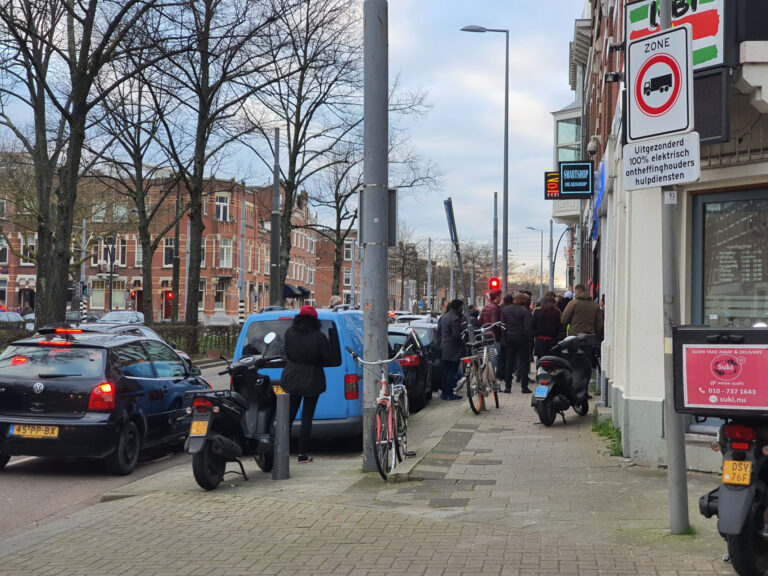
517	321
307	351
449	329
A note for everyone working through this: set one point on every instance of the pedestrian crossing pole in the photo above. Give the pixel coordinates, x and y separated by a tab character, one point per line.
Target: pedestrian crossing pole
241	304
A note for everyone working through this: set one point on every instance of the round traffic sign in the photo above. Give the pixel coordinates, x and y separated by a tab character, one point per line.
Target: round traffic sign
658	84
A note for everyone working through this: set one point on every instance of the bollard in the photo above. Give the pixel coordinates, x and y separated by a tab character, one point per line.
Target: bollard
280	470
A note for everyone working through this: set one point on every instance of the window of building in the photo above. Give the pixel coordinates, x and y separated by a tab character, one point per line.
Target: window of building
4	292
202	252
569	139
3	251
106	250
201	301
28	250
99	212
250	257
249	215
347	276
225	253
3	209
205	205
123	251
98	290
168	252
219	297
348	250
222	206
139	254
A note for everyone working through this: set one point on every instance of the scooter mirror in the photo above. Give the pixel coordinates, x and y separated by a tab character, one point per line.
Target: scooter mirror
269	338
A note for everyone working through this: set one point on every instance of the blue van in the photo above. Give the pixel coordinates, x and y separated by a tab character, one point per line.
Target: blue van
339	411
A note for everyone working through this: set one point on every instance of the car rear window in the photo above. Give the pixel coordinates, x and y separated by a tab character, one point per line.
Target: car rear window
42	361
424	334
254	338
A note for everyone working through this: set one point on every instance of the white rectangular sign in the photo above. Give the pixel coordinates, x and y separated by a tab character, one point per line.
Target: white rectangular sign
660	85
662	161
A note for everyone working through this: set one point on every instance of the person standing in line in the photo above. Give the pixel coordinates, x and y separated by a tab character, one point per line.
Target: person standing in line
583	316
545	326
490	315
517	320
449	329
307	350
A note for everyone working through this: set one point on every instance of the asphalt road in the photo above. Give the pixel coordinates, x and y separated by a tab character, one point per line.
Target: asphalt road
37	490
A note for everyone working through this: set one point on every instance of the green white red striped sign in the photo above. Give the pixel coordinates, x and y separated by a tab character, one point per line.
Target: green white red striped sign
704	16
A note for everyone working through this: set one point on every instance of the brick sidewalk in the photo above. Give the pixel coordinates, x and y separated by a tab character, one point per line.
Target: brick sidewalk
497	494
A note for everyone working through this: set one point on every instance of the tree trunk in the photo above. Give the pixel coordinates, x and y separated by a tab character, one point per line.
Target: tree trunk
146	277
285	234
337	264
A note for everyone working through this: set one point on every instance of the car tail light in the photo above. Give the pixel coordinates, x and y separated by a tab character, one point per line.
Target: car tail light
18	360
739	433
102	397
55	343
68	331
413	360
351	388
202	404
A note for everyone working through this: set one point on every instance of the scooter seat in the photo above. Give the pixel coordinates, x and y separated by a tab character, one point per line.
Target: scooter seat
239	399
555	361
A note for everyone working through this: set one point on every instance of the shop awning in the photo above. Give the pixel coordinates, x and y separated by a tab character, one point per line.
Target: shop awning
304	291
290	291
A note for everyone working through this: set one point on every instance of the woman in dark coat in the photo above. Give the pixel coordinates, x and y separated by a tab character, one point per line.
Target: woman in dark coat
546	326
307	350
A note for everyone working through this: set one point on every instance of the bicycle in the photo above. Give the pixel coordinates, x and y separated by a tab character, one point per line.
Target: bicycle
389	428
479	371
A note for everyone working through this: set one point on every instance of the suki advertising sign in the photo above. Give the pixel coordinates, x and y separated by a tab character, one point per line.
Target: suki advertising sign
704	16
725	376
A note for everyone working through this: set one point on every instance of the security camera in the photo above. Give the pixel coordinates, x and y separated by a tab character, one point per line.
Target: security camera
592	146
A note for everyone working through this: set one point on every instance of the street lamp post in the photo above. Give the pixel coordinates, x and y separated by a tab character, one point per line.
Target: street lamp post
541	261
557	248
112	252
505	193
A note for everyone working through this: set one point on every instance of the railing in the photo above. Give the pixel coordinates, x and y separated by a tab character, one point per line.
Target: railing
198	340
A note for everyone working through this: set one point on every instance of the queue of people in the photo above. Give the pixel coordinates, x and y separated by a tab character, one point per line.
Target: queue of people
525	330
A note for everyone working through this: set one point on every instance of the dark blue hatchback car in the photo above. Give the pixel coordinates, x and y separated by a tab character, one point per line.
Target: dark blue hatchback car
75	394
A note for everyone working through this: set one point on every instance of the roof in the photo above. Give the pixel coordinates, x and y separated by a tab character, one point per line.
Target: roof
100	339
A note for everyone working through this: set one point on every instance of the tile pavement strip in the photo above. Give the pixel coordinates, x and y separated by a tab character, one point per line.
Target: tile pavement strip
496	494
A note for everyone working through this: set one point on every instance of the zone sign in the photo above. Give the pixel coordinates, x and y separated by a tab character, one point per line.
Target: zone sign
660	85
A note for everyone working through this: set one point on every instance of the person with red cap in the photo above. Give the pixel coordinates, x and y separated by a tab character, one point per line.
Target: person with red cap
307	351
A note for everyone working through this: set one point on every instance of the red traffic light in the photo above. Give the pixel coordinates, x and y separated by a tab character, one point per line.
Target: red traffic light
494	284
133	294
169	295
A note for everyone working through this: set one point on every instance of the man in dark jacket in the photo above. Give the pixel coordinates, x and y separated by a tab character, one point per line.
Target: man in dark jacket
583	316
307	351
517	320
449	329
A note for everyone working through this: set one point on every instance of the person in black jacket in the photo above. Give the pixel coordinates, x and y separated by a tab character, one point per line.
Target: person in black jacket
517	320
449	330
546	326
307	351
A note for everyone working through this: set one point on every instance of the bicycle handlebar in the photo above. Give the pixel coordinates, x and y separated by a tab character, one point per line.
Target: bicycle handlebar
356	357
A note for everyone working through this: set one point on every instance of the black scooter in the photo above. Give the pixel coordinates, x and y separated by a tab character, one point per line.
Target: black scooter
229	424
562	380
741	501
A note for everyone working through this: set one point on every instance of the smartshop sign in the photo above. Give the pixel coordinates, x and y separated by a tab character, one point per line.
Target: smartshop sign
576	180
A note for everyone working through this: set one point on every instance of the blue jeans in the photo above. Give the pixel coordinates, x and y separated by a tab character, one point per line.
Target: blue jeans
450	371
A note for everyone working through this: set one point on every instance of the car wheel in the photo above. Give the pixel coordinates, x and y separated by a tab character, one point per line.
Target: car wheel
4	460
123	460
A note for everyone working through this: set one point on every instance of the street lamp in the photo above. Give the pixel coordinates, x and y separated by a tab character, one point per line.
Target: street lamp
505	196
557	248
541	261
112	252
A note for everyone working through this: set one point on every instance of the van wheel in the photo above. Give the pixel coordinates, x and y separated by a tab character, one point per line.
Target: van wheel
123	460
4	460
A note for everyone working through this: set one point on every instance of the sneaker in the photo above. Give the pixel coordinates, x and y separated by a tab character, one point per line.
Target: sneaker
451	397
526	390
304	459
507	390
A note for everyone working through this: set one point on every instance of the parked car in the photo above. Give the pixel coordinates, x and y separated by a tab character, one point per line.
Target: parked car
339	411
417	370
78	394
134	329
123	316
72	316
427	332
11	320
408	318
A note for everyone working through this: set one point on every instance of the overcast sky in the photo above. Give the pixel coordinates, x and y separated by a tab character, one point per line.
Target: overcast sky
463	75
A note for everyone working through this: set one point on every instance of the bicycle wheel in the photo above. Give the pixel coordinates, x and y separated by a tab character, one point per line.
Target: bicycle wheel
401	430
382	440
476	401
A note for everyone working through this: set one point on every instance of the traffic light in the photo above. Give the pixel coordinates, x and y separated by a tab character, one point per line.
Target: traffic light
85	288
494	284
169	295
133	294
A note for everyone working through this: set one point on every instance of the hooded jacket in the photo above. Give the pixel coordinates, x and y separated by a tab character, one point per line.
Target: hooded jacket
307	350
583	315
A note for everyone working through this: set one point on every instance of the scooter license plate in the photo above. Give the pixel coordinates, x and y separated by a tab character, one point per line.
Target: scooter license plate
737	472
542	391
198	428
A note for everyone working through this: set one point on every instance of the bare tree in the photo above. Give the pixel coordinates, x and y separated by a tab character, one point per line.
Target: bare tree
316	104
217	59
52	52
